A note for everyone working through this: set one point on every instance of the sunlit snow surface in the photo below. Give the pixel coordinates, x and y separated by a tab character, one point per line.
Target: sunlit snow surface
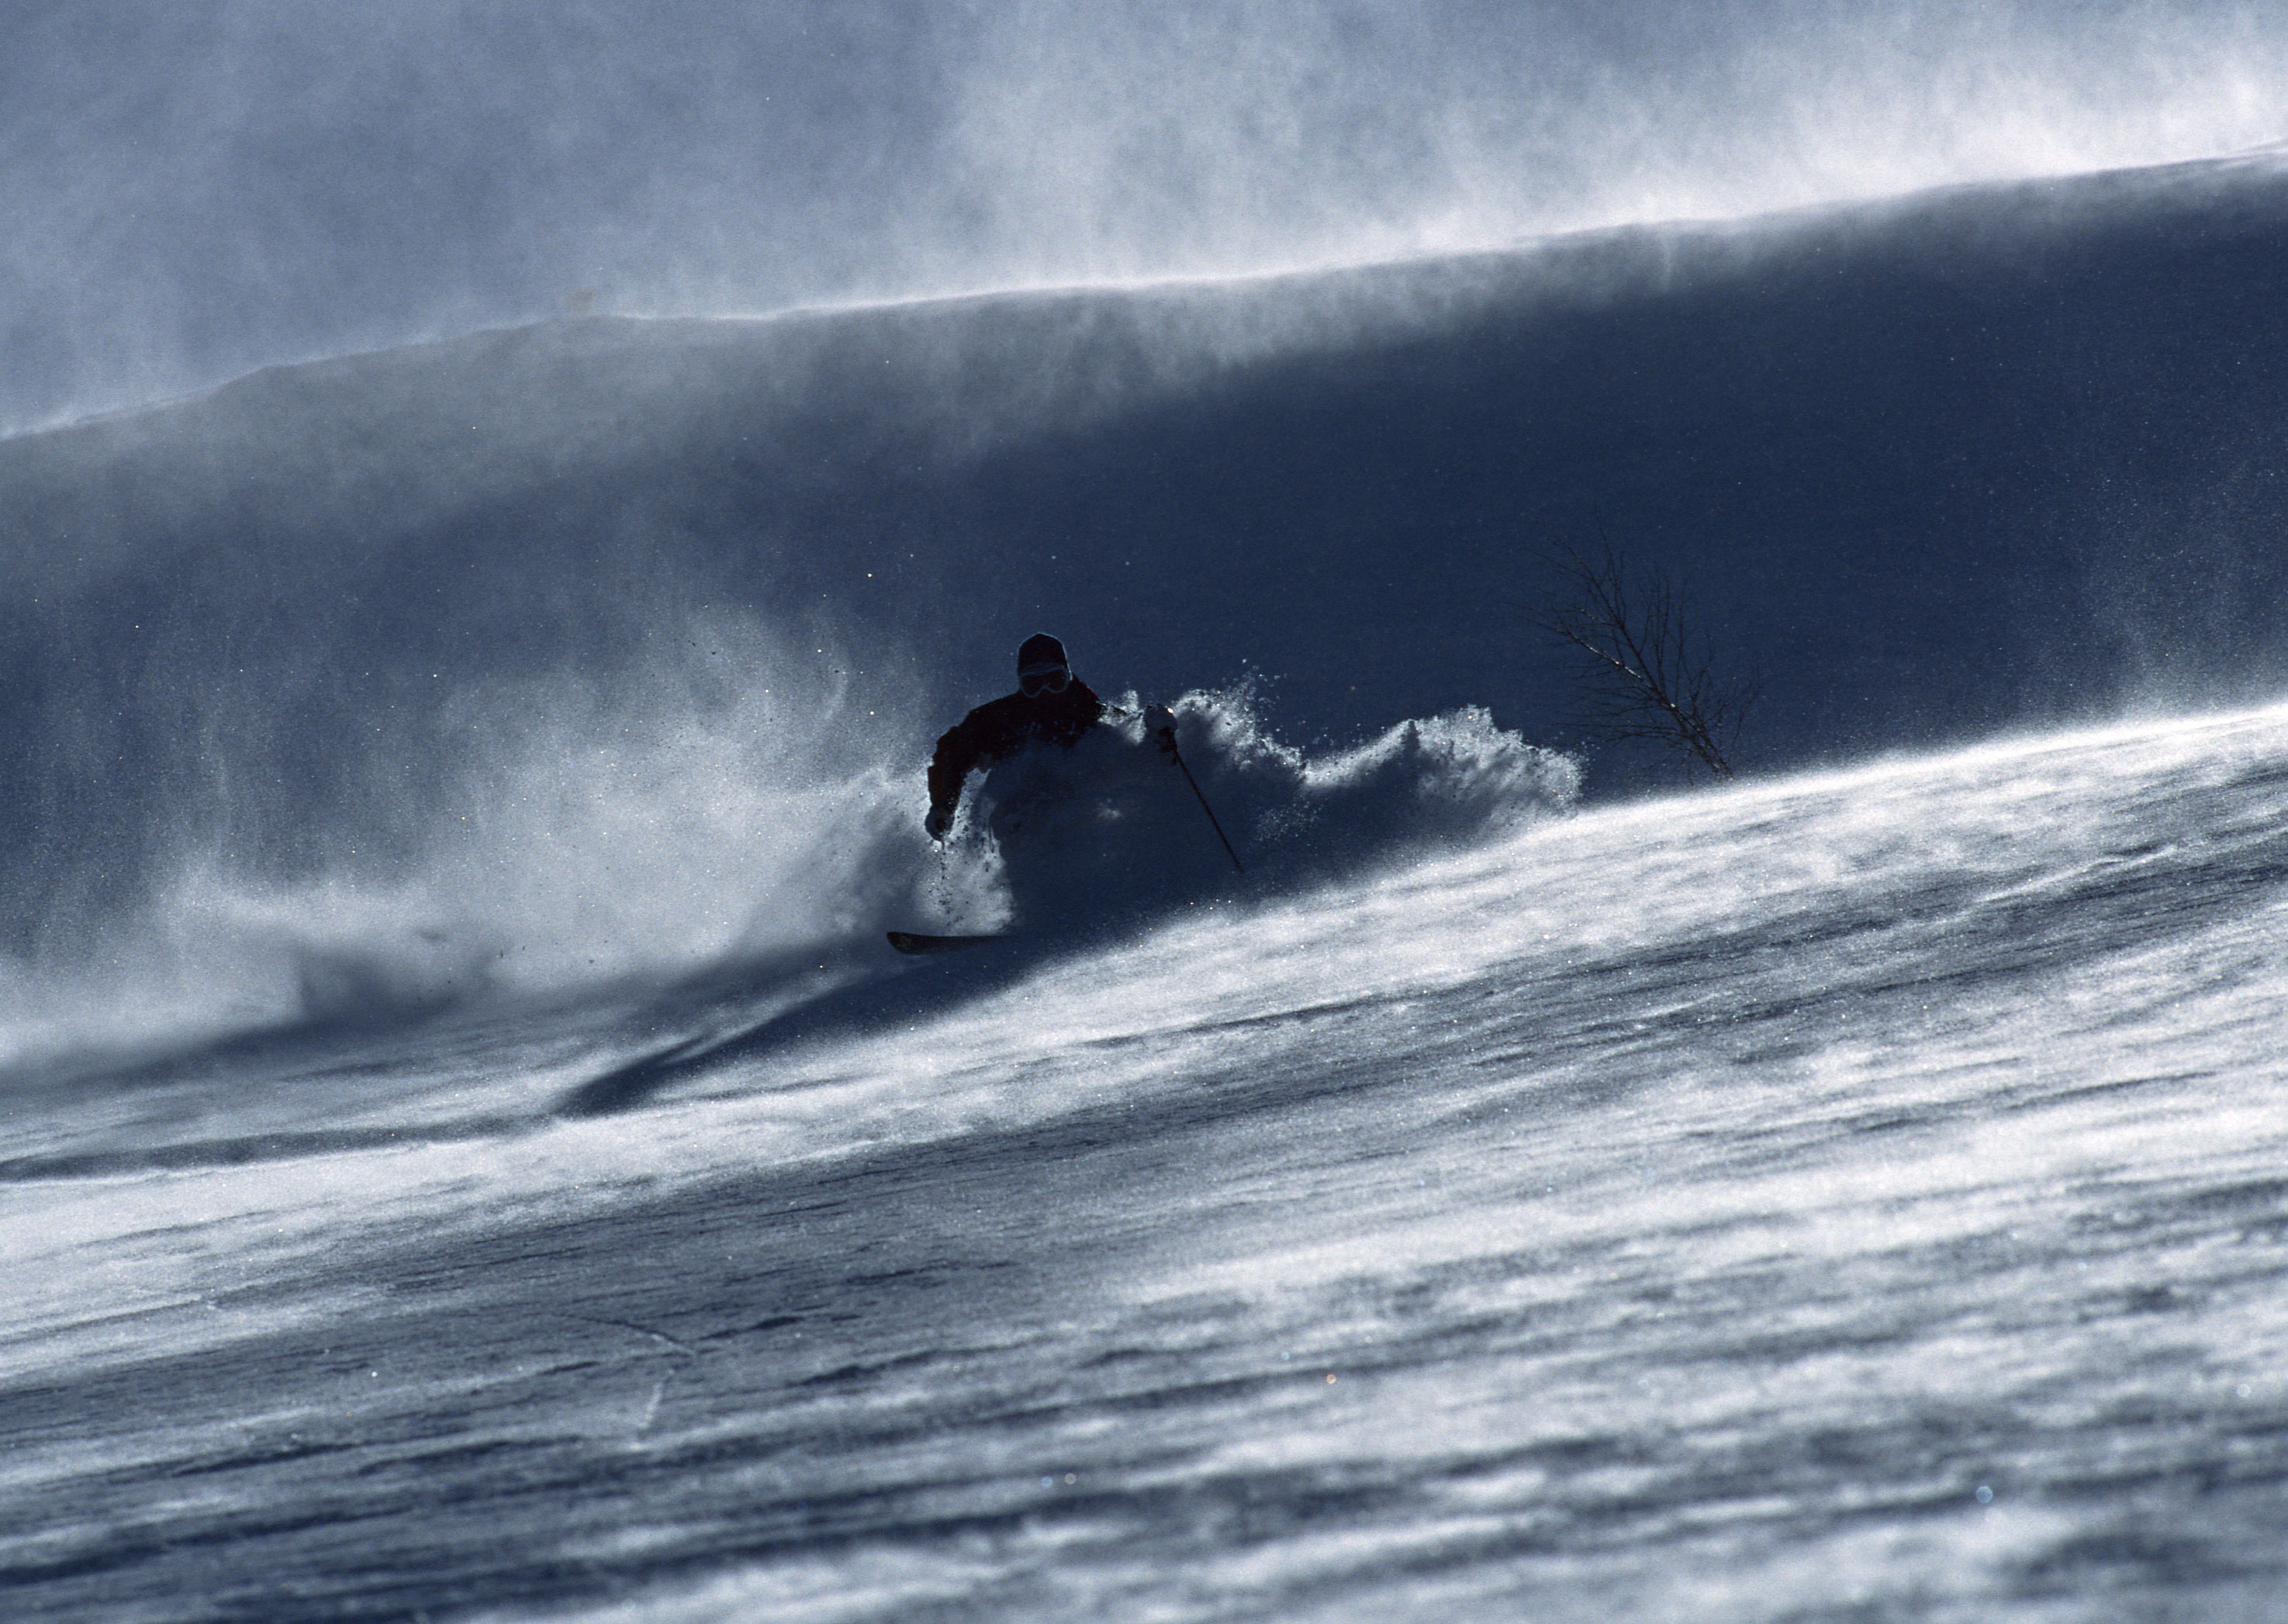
1862	1196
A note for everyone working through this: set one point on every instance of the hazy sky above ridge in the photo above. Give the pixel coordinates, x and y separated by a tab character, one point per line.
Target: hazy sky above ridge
196	187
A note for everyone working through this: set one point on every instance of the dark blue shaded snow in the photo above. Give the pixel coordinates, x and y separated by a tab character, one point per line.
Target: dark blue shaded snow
643	606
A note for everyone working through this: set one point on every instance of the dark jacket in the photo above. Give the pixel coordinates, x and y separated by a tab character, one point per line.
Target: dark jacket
998	729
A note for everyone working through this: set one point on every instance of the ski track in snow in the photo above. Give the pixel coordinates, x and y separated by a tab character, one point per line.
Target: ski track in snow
1849	1196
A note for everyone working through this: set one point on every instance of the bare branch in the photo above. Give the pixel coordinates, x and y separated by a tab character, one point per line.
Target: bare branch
1644	674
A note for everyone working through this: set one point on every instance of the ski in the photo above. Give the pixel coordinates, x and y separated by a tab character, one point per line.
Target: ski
910	941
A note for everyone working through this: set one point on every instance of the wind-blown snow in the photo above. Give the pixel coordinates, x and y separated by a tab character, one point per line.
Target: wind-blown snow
1113	829
199	188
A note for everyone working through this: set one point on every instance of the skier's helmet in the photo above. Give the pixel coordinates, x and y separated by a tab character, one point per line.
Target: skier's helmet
1042	666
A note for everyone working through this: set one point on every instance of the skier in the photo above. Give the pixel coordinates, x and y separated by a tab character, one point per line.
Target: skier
1051	706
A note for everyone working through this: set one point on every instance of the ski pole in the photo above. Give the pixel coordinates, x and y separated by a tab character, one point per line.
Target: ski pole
1168	743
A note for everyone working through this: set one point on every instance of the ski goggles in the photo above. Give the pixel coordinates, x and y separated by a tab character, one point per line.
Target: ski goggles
1032	685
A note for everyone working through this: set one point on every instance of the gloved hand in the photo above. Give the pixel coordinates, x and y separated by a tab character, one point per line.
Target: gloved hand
1160	727
940	820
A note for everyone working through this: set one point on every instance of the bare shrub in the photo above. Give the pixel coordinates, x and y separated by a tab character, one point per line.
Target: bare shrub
1646	673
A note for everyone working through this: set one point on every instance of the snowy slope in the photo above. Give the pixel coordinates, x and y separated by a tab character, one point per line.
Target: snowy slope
1848	1195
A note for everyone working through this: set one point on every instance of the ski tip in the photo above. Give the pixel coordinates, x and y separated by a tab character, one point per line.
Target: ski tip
913	941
